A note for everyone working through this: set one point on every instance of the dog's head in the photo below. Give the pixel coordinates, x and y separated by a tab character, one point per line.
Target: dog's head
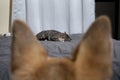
92	58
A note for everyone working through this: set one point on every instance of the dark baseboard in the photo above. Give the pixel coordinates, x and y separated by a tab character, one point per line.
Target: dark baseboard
104	0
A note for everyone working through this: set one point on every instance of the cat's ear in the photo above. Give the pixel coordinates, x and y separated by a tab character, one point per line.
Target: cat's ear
26	49
95	49
65	33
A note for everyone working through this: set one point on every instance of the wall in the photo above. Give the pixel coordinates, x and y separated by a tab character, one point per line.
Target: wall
4	16
107	8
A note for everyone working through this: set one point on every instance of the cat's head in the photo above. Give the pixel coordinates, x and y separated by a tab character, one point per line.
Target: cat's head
64	37
67	37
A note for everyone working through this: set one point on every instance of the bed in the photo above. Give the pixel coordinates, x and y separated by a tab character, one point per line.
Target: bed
55	49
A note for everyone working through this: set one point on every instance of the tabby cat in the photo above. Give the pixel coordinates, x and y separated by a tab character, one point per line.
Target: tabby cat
53	35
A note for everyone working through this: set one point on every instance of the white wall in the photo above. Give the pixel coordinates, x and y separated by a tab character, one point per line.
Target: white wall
4	16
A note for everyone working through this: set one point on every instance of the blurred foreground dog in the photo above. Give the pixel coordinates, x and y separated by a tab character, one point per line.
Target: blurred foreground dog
92	58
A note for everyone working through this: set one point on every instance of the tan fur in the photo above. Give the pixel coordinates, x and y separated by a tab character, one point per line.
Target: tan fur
92	58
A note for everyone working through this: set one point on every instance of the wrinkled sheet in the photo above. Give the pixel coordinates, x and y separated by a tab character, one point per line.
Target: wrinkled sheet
55	49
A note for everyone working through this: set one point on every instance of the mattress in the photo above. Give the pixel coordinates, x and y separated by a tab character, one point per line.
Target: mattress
55	49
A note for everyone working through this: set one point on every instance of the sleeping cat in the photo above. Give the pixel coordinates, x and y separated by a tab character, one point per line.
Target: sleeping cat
53	35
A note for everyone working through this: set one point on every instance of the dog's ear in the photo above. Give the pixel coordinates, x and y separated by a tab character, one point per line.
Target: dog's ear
26	49
95	49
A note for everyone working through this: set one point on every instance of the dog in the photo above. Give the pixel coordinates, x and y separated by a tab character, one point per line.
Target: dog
91	59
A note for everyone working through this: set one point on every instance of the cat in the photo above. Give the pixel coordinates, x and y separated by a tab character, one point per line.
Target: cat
91	59
53	35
